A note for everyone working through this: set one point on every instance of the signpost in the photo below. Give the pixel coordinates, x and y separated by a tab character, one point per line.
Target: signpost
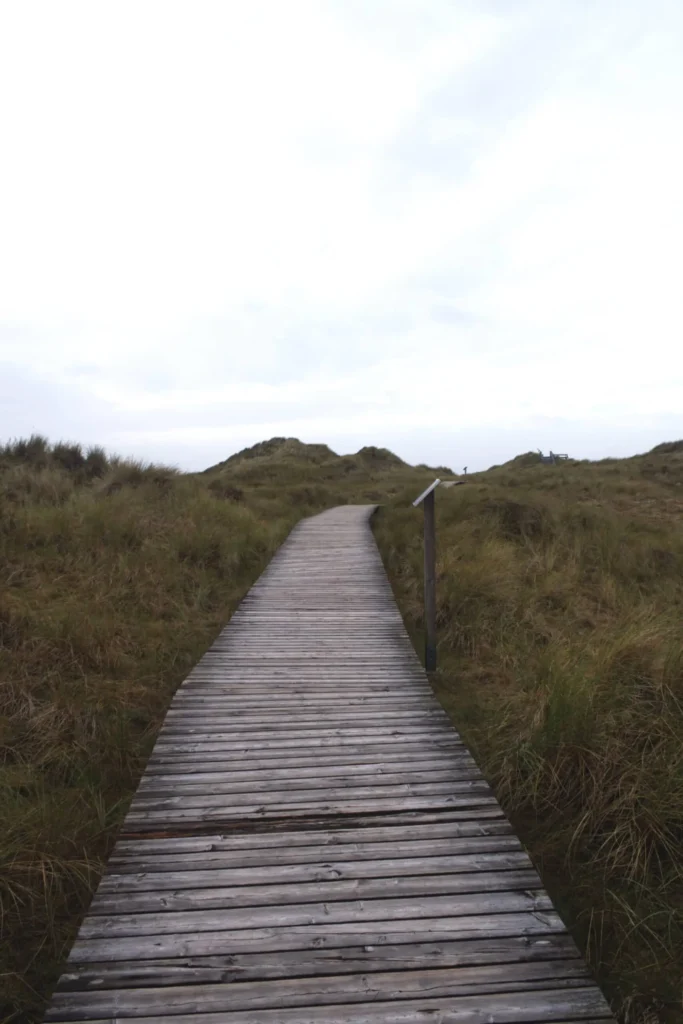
427	500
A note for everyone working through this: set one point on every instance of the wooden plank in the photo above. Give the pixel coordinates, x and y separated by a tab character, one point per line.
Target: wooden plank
316	737
323	856
211	870
258	686
231	702
317	992
259	683
250	757
313	777
185	729
436	739
215	796
331	754
265	782
214	722
374	670
207	795
227	813
291	915
290	725
323	641
330	936
422	732
311	659
261	687
196	710
325	839
292	669
108	900
282	825
547	1006
309	963
375	675
363	761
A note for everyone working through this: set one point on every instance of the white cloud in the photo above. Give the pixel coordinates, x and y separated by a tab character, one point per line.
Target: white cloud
223	220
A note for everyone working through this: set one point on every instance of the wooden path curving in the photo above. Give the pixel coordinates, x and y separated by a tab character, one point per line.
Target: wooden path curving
311	843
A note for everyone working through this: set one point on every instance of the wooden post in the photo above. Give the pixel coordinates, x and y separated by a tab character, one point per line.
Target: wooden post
427	499
430	584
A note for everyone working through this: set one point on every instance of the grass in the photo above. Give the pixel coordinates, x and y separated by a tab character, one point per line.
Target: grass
112	586
560	616
560	600
115	576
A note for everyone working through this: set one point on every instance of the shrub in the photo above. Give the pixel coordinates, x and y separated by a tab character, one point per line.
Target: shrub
96	463
224	489
68	456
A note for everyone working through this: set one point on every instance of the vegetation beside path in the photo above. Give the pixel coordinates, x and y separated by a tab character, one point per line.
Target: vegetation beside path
560	652
560	621
114	579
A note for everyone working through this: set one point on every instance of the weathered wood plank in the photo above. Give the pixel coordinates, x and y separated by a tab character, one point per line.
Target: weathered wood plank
283	746
303	770
178	817
318	777
337	839
264	781
326	936
323	856
309	963
160	786
338	753
313	737
109	901
290	915
215	796
233	704
437	737
262	684
253	721
553	1006
285	825
289	992
212	870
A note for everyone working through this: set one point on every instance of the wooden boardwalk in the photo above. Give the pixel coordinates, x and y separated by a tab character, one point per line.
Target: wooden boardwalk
311	842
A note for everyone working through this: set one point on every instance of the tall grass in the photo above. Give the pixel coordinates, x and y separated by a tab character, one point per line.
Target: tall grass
561	663
115	576
108	594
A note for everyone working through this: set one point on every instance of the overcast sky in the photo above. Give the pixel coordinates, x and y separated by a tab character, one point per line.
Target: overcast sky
451	227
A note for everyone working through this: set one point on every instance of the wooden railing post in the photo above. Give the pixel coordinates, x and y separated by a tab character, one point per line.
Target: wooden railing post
430	584
427	499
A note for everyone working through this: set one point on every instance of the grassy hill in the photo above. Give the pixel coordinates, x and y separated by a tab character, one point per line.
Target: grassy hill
278	449
560	650
114	578
286	459
560	611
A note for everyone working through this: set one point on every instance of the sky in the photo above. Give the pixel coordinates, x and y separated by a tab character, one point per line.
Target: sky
448	227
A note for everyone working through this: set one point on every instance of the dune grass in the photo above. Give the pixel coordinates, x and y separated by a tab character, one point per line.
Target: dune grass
112	584
115	577
560	594
560	617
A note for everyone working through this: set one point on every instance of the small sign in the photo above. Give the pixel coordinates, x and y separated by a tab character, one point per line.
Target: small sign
425	493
